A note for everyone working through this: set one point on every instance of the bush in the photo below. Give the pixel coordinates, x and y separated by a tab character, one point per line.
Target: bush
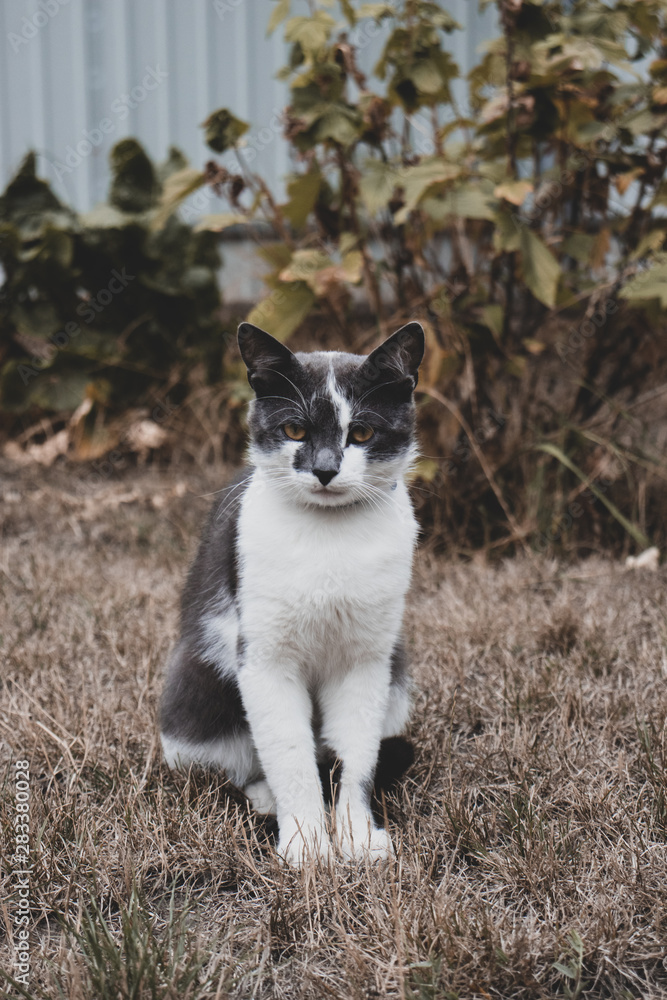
527	232
107	311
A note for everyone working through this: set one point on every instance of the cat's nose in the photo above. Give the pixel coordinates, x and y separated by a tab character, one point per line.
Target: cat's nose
325	475
326	465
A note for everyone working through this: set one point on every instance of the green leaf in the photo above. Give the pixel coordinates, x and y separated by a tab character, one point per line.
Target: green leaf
177	187
375	10
580	246
279	13
284	309
632	530
507	234
223	130
311	33
493	317
221	220
302	191
30	204
349	13
651	242
649	284
377	185
304	265
176	160
339	124
276	255
426	76
541	270
57	392
134	183
352	266
417	180
465	201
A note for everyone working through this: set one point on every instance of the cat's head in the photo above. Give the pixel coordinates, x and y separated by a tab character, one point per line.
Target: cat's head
331	429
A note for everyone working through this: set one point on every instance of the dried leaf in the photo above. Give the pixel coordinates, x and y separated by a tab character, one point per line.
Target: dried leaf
515	192
221	220
223	130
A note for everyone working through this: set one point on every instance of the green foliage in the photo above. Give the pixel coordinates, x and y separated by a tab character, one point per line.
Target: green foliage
544	197
573	983
105	309
508	220
141	961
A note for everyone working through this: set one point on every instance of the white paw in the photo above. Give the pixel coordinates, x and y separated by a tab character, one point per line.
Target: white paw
301	843
261	797
359	839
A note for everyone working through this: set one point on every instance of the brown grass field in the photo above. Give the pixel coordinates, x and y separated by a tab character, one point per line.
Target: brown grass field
530	832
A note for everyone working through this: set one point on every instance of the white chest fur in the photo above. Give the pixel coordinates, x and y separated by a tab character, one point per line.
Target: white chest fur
323	588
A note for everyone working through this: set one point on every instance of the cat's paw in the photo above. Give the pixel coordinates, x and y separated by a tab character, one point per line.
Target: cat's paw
361	840
302	843
261	798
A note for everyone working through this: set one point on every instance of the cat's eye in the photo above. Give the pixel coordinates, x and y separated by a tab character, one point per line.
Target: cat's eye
294	432
361	434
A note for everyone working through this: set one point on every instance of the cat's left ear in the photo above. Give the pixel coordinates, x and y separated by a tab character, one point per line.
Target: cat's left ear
395	363
266	359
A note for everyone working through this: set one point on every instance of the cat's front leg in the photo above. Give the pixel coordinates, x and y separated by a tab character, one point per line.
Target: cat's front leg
353	710
279	711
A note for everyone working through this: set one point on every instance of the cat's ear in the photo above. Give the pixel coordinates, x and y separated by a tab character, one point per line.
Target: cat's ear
268	361
394	365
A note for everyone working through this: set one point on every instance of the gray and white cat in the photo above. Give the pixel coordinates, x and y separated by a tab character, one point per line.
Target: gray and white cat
291	623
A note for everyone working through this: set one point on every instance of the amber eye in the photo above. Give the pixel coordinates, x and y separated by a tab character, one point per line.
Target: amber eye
294	432
360	434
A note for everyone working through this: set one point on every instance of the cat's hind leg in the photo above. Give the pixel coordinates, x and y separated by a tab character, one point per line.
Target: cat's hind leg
202	720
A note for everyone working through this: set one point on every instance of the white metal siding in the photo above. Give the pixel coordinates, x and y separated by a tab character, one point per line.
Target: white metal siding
84	55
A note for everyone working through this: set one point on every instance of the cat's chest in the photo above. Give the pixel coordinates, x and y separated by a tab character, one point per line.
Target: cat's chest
302	567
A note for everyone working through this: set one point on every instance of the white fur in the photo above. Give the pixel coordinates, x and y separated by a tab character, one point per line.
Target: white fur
323	573
220	634
236	756
340	402
261	797
398	711
321	596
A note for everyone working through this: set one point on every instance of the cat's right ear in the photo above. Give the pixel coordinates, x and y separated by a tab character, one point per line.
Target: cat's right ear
269	362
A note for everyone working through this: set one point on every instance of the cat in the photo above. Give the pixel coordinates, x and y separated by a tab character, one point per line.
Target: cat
291	626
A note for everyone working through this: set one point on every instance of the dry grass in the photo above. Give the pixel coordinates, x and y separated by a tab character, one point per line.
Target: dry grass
530	831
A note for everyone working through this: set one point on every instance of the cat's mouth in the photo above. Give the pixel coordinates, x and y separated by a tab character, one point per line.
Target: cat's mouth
331	496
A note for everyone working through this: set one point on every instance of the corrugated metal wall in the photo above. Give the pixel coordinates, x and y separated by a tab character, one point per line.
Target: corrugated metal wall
78	75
